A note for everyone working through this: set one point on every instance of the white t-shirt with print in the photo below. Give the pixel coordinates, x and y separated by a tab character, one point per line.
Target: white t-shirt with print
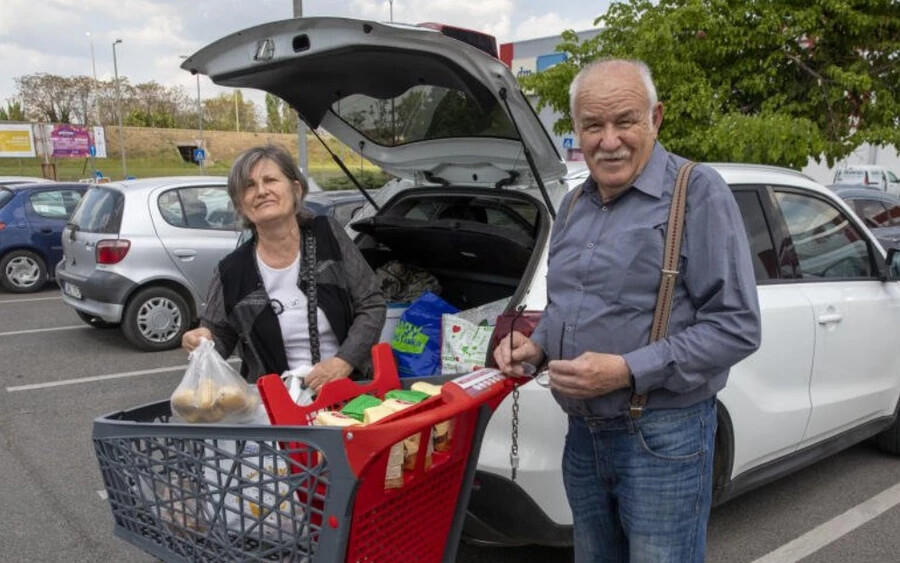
286	297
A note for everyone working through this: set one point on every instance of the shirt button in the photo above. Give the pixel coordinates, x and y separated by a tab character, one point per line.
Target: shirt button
568	328
604	208
590	245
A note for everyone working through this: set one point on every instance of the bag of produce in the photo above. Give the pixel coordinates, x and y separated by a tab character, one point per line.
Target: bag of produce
212	391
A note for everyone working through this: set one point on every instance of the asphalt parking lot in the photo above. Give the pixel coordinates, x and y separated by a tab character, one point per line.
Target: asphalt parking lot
57	375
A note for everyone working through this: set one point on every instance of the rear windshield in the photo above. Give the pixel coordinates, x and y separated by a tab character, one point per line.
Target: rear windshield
5	195
849	177
424	112
100	211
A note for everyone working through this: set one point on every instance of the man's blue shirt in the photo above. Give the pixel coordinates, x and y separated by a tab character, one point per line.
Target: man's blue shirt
603	278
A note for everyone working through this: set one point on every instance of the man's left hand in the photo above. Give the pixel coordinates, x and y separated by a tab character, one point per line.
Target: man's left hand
327	370
589	375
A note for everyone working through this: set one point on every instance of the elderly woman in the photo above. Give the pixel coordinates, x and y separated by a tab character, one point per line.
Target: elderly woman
298	293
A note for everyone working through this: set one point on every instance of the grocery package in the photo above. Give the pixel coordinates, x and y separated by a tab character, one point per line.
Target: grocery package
398	400
334	418
443	431
417	338
464	345
393	475
246	501
394	312
358	405
211	391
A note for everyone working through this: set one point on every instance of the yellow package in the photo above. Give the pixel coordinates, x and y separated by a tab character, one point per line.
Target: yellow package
411	444
443	431
393	474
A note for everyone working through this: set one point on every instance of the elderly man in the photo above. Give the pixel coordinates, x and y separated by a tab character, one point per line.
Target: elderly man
638	457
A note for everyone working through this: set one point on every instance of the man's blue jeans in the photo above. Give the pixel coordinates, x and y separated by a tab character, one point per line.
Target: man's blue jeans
640	490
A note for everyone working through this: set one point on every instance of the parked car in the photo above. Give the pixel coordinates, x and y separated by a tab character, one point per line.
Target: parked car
32	217
14	180
880	212
340	204
140	255
468	205
869	175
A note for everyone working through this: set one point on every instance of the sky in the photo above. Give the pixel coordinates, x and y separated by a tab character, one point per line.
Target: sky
56	36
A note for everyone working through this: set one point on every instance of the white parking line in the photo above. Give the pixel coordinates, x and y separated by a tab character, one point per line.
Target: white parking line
33	386
839	526
3	301
35	330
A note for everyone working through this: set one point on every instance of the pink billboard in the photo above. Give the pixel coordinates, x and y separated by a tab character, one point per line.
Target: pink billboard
70	141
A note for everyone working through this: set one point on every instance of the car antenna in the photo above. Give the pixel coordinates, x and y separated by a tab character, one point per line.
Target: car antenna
346	171
528	157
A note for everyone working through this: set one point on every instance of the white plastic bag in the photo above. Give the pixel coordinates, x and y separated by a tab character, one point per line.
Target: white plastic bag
464	345
295	381
211	391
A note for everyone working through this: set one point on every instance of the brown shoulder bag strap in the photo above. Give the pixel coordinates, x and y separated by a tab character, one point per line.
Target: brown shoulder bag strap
674	236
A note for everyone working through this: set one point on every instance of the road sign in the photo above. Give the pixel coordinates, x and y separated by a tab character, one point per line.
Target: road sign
568	143
199	155
92	150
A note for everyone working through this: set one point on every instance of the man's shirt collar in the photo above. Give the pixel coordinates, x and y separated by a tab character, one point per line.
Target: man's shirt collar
652	177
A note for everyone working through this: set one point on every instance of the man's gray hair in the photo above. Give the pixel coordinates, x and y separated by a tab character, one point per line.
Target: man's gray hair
641	67
239	176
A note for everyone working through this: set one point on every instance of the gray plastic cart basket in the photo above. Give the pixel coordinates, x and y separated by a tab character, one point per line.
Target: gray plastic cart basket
206	492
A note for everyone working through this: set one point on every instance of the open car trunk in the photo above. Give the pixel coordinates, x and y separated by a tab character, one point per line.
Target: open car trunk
479	244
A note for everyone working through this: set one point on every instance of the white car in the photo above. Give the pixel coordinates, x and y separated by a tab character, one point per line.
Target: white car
478	184
869	175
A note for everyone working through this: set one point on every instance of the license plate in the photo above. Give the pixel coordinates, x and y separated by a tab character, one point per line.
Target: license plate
72	290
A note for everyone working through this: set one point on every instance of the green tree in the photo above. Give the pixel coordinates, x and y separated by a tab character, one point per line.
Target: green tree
12	112
46	97
230	112
273	113
771	82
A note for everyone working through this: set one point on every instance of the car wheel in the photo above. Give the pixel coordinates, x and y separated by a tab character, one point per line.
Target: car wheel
22	271
888	440
95	322
155	319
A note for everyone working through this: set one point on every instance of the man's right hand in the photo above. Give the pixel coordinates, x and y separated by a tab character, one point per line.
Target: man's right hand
193	338
510	355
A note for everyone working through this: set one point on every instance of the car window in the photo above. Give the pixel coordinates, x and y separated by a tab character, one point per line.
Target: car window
872	212
827	244
424	112
849	177
5	195
762	249
54	204
100	211
891	176
343	211
198	207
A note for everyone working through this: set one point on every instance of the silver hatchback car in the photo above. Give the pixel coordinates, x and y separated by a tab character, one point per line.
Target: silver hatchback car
140	254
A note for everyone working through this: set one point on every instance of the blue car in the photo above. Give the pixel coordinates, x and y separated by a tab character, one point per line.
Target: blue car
32	217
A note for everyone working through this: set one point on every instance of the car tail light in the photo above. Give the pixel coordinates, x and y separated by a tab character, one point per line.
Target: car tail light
2	225
112	251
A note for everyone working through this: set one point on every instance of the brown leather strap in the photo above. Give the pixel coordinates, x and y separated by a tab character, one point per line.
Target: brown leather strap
674	236
578	191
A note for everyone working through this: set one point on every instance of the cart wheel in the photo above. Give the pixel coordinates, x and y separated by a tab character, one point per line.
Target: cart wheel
155	319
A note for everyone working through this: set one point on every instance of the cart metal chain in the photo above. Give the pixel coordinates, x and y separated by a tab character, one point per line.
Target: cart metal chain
514	447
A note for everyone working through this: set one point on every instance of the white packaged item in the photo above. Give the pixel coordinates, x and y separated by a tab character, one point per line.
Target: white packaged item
295	381
464	345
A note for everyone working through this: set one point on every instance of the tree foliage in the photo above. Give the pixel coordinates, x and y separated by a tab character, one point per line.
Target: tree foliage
12	112
280	117
230	112
771	82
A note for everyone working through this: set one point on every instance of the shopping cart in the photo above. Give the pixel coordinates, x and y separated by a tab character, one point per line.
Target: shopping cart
205	492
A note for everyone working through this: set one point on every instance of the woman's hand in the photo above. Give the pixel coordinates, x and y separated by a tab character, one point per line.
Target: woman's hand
193	338
327	370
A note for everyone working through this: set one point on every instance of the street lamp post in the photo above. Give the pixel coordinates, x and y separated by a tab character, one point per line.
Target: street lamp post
119	109
391	2
93	87
199	116
93	63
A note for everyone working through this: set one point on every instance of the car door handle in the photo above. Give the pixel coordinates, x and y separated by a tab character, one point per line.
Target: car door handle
185	254
46	230
829	318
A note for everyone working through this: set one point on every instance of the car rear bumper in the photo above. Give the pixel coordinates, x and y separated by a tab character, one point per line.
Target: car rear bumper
501	513
102	293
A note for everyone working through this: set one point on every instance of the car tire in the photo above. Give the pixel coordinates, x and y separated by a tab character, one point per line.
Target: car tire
155	319
888	440
22	271
93	321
